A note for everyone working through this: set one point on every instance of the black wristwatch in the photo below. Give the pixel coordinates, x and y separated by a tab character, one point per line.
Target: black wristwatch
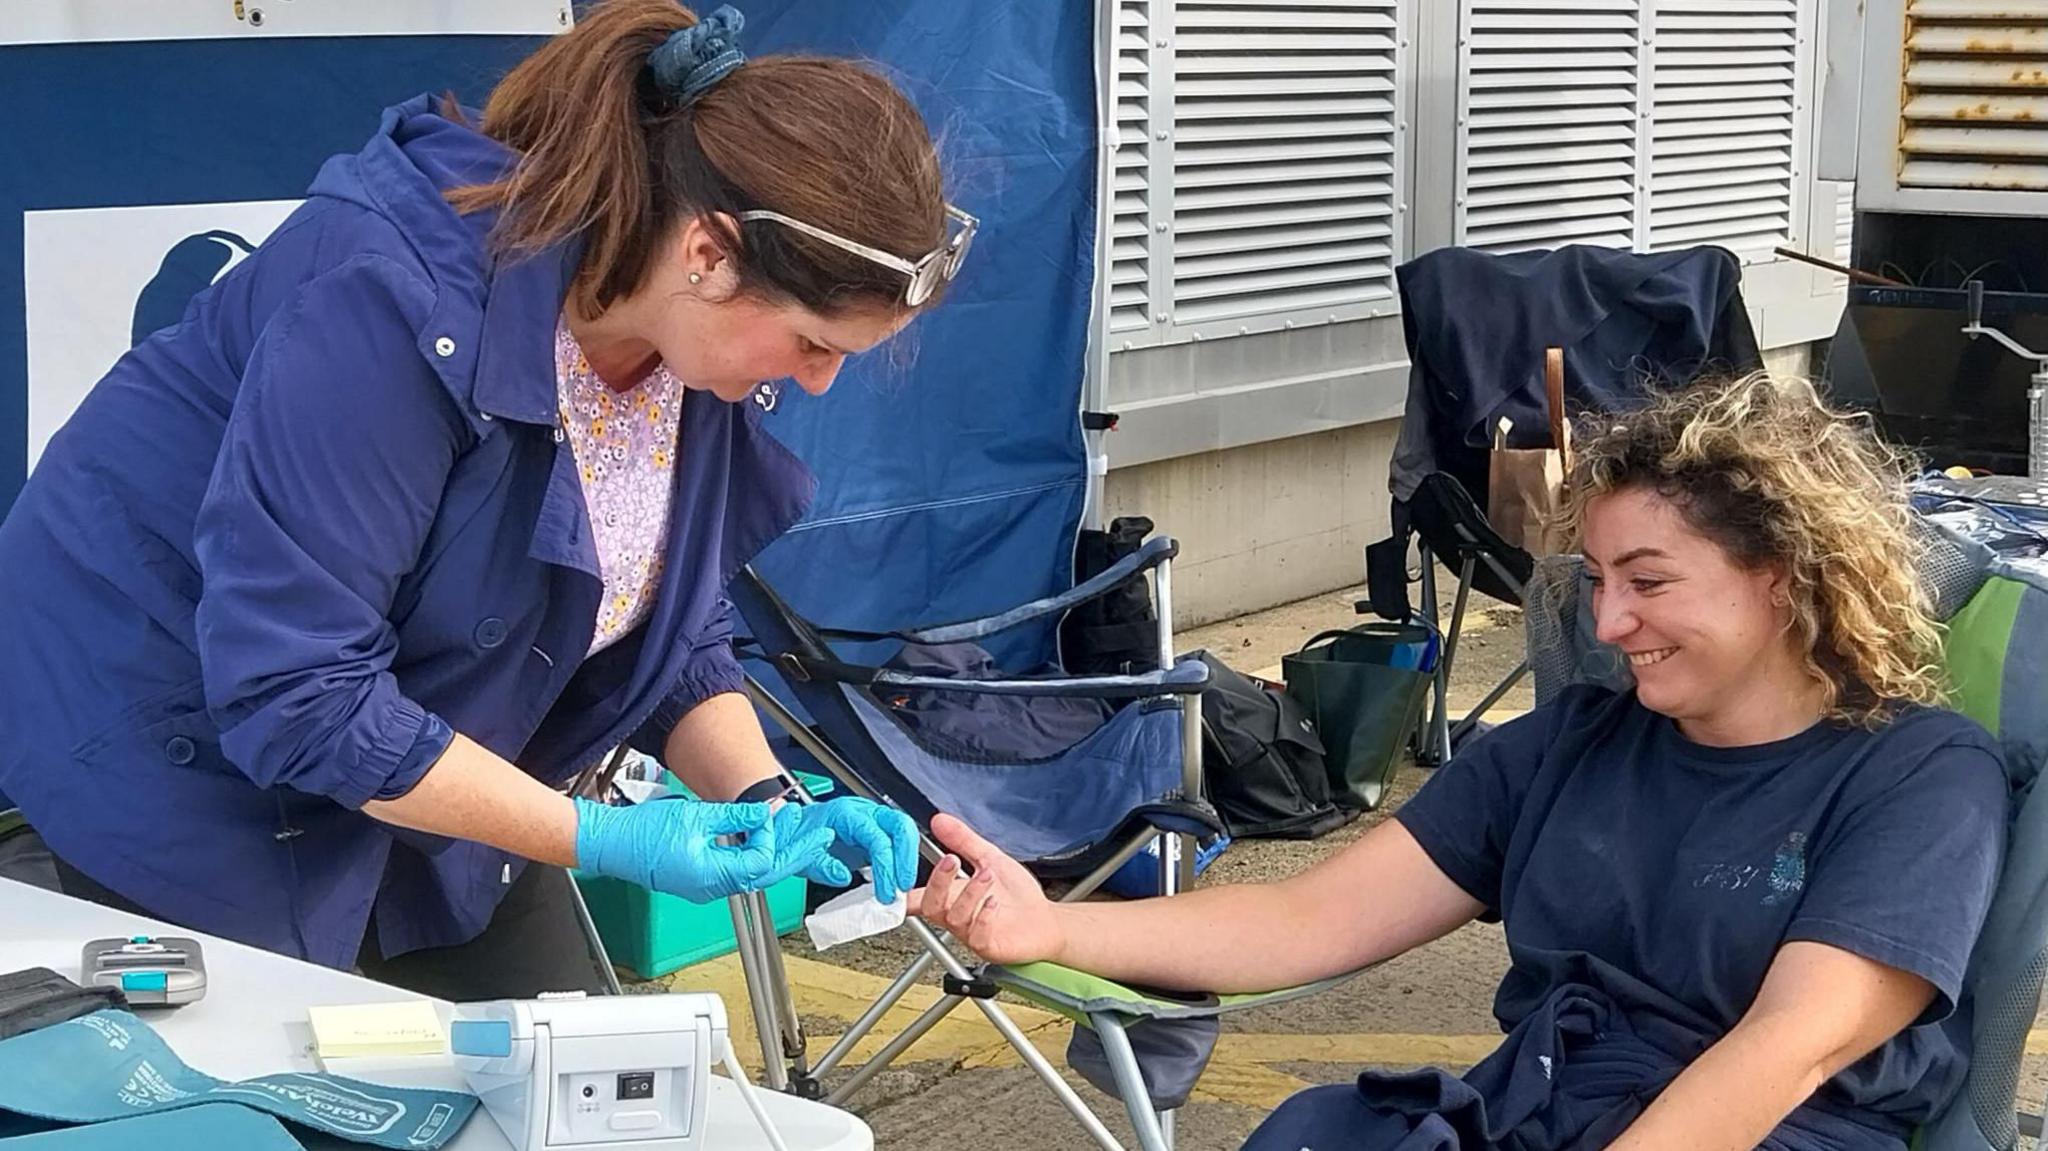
772	788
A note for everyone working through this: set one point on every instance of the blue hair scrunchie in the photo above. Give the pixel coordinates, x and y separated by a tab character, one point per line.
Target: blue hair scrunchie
691	61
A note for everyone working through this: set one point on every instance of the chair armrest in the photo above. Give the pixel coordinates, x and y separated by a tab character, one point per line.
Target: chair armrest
1077	994
1155	552
1186	677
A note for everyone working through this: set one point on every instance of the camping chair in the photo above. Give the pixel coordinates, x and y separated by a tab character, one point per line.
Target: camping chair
1451	527
1476	326
1996	614
1079	815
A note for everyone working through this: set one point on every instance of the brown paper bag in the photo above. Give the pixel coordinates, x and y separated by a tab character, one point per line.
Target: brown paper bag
1525	486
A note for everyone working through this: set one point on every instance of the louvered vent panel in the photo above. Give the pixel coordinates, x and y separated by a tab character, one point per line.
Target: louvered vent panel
1550	107
1976	95
1284	157
1130	264
1724	123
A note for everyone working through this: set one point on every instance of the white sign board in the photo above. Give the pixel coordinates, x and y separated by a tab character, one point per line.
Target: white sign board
86	269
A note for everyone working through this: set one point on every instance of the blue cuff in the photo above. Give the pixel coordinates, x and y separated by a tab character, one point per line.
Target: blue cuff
427	747
712	672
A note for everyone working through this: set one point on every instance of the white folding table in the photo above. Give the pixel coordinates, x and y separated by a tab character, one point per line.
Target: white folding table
253	1022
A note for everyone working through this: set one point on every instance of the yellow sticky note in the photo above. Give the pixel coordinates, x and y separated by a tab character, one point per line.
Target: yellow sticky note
372	1029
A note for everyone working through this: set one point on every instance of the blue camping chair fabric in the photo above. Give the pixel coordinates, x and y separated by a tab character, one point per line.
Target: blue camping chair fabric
1062	811
1071	775
1995	608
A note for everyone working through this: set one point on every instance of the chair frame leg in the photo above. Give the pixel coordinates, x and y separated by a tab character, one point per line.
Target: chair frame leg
1154	1131
1506	685
1437	749
936	949
1421	741
1433	742
792	1036
873	1015
1177	853
762	994
598	953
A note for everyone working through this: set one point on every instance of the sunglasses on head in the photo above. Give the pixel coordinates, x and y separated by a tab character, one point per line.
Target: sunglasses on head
937	267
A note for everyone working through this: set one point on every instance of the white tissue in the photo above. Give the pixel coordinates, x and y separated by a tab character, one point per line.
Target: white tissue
640	790
852	915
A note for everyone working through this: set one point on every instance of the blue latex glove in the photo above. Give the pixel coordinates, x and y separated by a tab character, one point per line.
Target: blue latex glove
671	844
886	836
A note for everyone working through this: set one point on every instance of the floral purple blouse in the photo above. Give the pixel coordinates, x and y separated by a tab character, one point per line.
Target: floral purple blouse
625	445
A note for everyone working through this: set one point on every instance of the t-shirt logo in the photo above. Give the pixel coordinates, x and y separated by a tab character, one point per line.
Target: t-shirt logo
1788	871
1782	883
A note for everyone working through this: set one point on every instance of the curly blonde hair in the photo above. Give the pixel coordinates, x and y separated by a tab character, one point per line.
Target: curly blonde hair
1773	475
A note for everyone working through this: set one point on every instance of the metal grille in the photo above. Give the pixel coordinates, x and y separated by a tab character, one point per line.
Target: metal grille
2001	1038
1976	95
1724	123
1284	145
1550	612
1548	122
1130	266
1951	569
1642	124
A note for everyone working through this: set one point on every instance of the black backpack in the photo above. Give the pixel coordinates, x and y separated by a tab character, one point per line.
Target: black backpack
1262	762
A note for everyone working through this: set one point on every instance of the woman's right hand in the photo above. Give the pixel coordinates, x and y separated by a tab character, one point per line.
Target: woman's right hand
672	845
1001	912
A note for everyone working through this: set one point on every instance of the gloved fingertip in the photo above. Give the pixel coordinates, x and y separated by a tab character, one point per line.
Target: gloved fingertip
816	841
741	818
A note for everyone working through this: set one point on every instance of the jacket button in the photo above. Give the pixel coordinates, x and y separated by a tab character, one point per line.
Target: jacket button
179	750
444	347
491	632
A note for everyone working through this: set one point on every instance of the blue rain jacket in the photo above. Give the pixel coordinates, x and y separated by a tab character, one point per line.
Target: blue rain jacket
288	546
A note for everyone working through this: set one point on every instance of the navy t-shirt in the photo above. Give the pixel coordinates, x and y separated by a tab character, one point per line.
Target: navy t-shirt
1620	854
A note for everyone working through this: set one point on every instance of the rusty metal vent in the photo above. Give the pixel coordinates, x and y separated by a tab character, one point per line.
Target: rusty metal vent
1976	95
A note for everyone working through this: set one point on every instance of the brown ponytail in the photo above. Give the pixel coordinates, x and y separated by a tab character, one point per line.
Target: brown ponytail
605	158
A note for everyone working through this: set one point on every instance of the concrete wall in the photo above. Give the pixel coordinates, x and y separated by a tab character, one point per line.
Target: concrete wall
1796	360
1267	523
1274	522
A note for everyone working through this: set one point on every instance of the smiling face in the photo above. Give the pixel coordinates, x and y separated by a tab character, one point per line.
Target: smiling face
1706	638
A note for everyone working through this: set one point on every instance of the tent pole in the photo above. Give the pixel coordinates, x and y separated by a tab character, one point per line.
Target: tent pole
1095	375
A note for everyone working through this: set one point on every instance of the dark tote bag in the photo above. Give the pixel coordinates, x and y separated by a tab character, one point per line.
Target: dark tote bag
1364	688
1116	633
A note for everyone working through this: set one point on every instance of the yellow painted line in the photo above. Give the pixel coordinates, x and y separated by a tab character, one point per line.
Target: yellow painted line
1383	1049
1246	1084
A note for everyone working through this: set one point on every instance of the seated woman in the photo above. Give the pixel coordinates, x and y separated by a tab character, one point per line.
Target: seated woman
1737	899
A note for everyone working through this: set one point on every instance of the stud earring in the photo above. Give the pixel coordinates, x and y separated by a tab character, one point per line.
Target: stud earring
695	278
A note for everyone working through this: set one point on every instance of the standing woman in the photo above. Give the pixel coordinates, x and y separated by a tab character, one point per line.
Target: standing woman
325	593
